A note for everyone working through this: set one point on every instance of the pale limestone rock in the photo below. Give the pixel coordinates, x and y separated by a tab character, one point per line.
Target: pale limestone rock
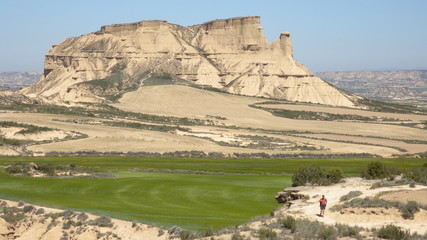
228	54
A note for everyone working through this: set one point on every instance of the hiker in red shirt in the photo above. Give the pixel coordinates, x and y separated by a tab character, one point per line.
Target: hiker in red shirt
323	201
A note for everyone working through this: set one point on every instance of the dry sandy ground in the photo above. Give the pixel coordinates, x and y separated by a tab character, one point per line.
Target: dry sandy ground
406	196
309	209
107	138
36	227
185	101
190	102
411	148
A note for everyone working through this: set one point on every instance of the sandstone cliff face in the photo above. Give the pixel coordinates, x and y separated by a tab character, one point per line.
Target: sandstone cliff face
230	54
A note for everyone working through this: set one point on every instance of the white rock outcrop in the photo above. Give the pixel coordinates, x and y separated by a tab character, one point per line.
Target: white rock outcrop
228	54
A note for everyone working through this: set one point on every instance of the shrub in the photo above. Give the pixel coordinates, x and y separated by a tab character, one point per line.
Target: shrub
350	195
237	236
314	175
347	231
334	175
418	175
289	223
82	217
328	233
68	224
409	209
28	208
267	234
307	229
13	169
187	235
13	217
392	232
377	170
48	169
40	211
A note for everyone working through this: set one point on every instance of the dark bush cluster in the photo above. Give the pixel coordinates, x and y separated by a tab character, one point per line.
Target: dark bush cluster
377	170
314	175
101	222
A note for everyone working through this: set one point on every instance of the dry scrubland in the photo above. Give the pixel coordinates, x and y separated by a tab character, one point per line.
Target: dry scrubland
229	124
234	126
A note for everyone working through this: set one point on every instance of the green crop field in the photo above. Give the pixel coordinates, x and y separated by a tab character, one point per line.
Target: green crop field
232	192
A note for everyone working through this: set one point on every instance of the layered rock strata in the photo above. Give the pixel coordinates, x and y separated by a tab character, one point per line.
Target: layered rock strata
230	54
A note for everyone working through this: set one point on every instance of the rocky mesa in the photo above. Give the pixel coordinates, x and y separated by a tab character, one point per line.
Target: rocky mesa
232	55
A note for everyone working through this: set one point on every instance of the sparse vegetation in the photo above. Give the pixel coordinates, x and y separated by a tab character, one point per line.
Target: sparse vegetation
289	223
350	195
417	174
392	232
323	116
237	236
100	111
101	222
11	215
27	128
8	141
267	234
379	106
409	209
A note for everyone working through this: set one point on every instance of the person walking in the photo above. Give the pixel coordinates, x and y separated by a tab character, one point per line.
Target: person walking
323	201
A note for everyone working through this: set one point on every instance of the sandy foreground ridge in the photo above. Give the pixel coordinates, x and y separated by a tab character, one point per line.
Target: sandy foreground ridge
52	223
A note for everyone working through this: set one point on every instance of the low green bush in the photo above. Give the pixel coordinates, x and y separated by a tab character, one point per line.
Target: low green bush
40	211
314	175
409	209
328	233
392	232
237	236
377	170
28	208
347	231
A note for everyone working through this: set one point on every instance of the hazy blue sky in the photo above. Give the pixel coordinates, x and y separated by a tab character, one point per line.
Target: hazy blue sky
345	35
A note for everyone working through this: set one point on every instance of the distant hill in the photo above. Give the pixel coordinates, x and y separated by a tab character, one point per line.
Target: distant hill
402	86
17	80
